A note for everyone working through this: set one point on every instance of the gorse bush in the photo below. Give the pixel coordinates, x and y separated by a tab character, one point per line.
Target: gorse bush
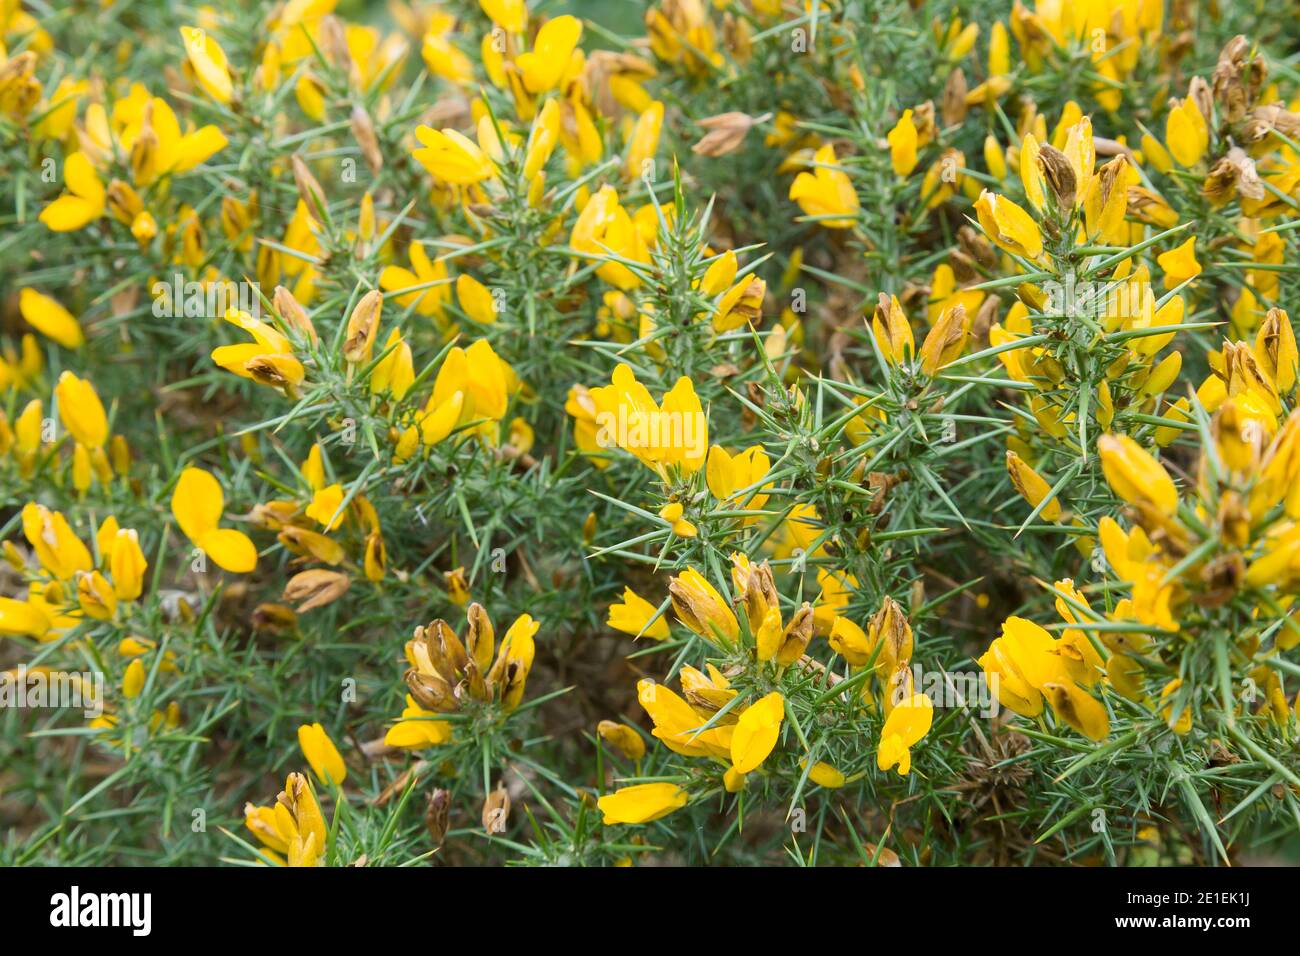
748	432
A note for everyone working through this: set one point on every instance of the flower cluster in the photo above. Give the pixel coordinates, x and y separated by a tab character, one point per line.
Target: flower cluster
877	420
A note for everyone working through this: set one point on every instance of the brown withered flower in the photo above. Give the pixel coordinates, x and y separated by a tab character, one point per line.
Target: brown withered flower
496	810
726	132
1059	176
363	131
316	588
363	327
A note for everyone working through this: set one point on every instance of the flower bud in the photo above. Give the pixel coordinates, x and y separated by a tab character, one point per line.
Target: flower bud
363	327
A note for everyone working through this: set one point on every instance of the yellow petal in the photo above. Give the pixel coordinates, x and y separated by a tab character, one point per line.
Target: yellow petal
197	502
230	549
756	733
50	318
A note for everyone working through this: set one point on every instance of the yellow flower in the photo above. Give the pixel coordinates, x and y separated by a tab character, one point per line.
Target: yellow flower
757	732
84	200
432	273
1186	133
19	371
1078	708
1135	475
1009	226
643	141
61	110
742	303
643	803
946	340
445	59
209	62
151	135
473	385
677	724
824	775
906	724
767	638
127	564
394	374
293	825
418	729
475	299
324	507
729	475
457	586
59	551
1022	661
603	227
633	615
553	48
269	359
720	274
994	157
81	411
1275	348
892	330
671	435
850	641
701	608
623	738
999	50
672	513
324	757
1179	264
363	328
1032	487
133	680
902	145
197	503
50	318
542	138
20	619
826	191
516	659
1184	722
451	157
1155	153
509	15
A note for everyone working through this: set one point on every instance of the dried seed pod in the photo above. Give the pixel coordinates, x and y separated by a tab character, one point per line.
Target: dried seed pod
954	107
496	810
890	625
437	815
294	315
309	189
430	691
363	131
